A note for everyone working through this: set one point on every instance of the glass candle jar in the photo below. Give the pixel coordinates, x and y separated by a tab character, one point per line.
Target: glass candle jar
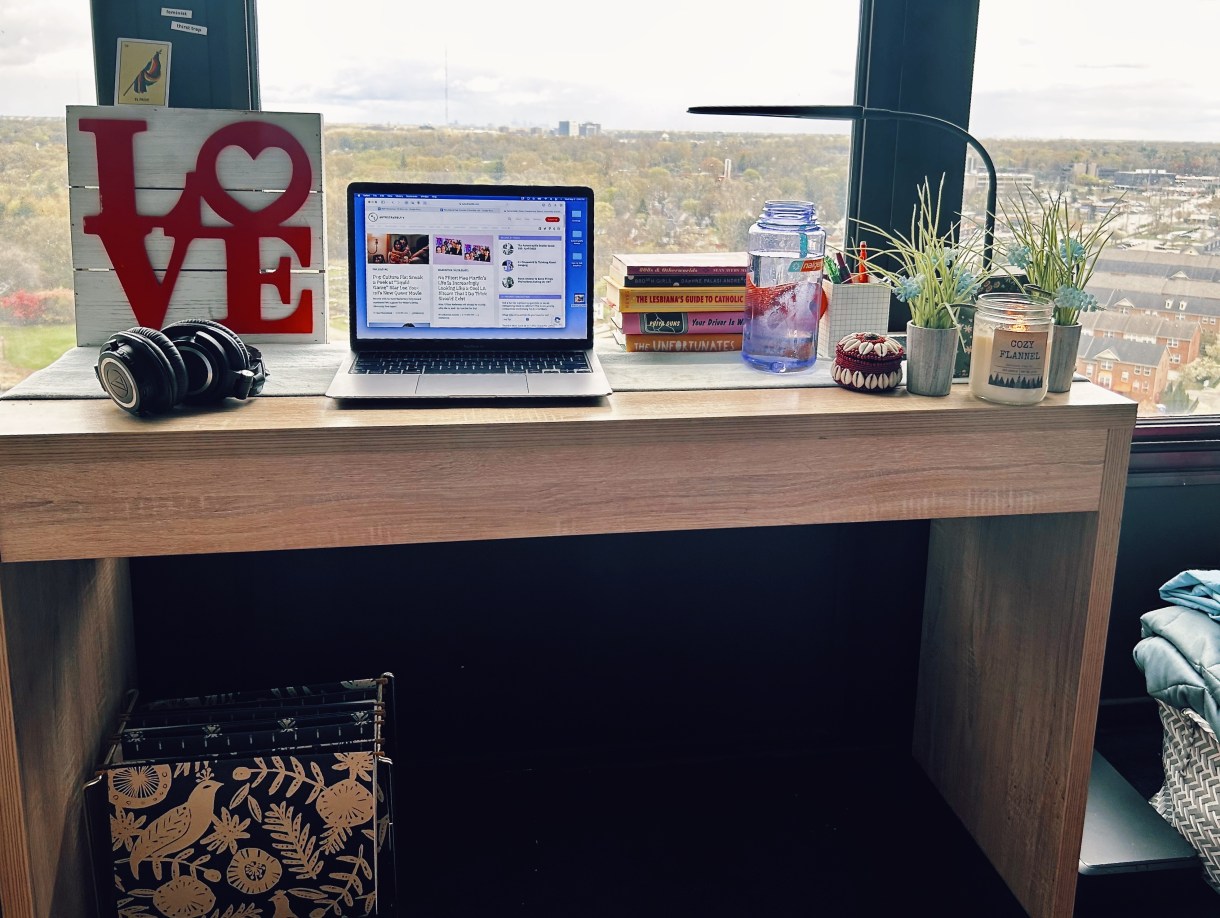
1010	356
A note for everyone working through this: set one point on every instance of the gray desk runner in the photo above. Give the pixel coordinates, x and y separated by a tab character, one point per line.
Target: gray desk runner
307	369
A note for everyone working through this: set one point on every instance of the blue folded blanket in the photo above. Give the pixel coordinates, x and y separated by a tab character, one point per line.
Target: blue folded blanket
1195	590
1179	655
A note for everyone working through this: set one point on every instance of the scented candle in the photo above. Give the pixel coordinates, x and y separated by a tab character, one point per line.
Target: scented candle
1010	355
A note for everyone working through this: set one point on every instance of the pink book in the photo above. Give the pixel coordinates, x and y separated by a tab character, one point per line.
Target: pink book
679	323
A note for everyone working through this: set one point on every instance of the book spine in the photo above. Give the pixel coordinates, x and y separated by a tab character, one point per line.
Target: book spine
637	270
679	280
697	343
689	299
678	323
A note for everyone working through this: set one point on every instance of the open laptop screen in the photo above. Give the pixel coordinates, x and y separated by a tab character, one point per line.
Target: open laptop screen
503	264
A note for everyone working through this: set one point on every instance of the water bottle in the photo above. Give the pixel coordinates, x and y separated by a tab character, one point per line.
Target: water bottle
783	288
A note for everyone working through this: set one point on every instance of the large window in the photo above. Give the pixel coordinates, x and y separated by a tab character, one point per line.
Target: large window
1087	101
477	92
1073	99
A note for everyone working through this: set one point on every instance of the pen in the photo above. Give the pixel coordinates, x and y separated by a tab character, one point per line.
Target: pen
862	273
844	270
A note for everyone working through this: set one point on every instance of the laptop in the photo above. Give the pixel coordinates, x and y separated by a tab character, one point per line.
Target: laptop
1123	833
469	291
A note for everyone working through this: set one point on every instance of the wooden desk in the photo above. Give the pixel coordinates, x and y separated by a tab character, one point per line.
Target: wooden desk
1026	505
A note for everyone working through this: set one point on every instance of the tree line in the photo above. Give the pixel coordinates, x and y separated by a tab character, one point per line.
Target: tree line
655	191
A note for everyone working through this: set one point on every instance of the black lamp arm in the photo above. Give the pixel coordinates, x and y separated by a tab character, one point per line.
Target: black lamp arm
864	113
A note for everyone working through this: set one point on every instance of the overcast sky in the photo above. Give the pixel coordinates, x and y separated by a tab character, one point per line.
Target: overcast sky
1044	68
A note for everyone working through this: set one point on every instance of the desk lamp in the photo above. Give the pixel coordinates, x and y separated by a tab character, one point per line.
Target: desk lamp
864	113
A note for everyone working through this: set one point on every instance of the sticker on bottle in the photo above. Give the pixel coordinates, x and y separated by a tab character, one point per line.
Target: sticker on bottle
804	265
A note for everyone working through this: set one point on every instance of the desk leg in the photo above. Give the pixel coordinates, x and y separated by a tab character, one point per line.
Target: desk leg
1010	672
66	657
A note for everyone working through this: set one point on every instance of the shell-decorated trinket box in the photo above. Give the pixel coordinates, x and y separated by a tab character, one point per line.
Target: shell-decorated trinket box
868	362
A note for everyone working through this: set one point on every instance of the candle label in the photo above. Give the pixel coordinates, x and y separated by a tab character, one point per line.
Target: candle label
1018	359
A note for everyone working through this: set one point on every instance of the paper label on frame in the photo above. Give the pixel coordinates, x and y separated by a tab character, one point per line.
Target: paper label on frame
176	11
141	75
189	27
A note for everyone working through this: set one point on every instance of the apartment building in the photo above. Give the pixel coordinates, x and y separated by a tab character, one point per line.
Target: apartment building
1137	369
1181	337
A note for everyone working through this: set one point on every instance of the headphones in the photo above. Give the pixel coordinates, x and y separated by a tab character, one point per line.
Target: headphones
194	362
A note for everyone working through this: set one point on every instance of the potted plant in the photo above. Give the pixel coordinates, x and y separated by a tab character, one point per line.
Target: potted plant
1057	258
934	275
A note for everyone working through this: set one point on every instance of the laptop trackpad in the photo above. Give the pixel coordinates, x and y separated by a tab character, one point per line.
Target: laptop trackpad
442	386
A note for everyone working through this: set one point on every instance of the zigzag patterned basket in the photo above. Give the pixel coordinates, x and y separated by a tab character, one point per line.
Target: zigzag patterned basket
1189	800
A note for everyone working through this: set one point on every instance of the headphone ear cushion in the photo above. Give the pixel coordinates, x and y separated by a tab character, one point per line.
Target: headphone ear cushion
141	370
177	367
220	353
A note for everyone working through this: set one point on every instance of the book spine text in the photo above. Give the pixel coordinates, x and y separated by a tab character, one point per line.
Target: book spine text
696	343
678	280
677	323
692	299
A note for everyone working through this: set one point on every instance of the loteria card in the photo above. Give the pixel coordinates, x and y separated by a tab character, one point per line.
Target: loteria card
141	72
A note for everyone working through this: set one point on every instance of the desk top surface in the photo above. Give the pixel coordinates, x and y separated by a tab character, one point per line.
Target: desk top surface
1089	405
82	479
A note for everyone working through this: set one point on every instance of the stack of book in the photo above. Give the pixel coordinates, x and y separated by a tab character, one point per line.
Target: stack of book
677	301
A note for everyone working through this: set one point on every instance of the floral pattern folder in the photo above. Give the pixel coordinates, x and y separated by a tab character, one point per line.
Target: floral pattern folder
283	831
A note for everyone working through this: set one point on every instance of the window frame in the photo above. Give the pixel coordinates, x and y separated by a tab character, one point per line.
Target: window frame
918	55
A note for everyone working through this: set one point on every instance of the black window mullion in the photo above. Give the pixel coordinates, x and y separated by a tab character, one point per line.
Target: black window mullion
915	56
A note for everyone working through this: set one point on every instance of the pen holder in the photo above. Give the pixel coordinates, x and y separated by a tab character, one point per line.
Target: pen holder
852	308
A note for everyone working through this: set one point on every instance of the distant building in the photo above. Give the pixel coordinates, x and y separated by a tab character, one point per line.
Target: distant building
1200	184
1144	178
1007	183
1181	289
565	129
1135	369
1182	338
589	129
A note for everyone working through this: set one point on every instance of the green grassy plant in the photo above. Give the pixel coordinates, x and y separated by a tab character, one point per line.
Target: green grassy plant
1056	256
933	273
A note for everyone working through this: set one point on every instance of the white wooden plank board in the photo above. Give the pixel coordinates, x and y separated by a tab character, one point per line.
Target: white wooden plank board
202	254
102	307
163	154
168	149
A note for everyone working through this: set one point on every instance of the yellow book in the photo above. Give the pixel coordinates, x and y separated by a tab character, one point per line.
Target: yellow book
675	299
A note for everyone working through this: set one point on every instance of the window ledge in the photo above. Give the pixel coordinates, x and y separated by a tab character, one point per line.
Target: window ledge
1177	451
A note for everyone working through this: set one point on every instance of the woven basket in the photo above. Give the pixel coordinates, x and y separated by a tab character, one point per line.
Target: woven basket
1189	800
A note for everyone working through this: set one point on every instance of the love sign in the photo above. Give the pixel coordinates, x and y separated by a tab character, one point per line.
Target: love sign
190	213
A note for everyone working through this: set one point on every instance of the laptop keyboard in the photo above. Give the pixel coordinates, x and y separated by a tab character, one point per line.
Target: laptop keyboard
396	362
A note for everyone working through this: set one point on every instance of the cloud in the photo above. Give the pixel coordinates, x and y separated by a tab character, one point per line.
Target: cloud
1152	110
400	91
32	33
